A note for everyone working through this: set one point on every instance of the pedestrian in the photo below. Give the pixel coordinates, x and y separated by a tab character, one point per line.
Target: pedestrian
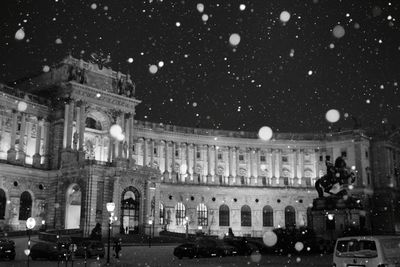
117	247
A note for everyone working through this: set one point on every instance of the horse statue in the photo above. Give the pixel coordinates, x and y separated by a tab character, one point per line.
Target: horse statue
336	175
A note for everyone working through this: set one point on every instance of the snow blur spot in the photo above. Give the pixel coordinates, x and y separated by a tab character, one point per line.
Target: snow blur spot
265	133
284	16
93	6
338	31
204	17
20	34
255	257
299	246
58	41
200	7
194	104
242	7
332	115
153	69
130	60
161	64
46	68
234	39
22	106
270	238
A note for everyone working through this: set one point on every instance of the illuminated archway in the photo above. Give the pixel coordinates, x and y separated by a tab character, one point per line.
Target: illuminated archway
130	203
73	207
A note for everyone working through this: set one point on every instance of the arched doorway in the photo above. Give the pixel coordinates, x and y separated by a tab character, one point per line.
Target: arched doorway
130	203
73	207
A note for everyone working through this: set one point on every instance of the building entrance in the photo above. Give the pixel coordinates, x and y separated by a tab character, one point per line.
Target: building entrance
73	207
130	203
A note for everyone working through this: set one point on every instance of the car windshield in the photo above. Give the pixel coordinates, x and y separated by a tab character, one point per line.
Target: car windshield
356	248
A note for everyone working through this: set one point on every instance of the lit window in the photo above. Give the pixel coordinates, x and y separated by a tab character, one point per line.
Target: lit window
245	215
268	216
224	215
202	218
180	213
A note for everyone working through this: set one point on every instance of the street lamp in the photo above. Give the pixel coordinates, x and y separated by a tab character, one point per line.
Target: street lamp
30	224
110	208
187	226
150	224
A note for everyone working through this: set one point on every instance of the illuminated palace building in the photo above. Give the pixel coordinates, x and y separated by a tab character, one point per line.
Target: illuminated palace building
59	164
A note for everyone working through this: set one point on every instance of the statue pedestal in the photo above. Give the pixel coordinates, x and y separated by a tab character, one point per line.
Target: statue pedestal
333	215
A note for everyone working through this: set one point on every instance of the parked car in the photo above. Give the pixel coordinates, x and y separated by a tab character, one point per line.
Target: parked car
7	249
92	248
204	247
185	250
63	242
368	251
50	251
243	247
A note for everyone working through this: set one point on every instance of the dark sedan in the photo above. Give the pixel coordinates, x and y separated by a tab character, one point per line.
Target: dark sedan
204	247
48	251
7	249
91	247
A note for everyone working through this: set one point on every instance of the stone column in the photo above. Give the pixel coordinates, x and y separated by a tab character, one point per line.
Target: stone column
251	161
316	158
82	123
274	179
78	126
120	143
237	167
66	114
209	176
45	145
301	163
173	173
131	137
216	179
295	159
230	163
151	153
257	168
21	147
37	157
69	123
279	166
188	163
195	174
166	172
144	152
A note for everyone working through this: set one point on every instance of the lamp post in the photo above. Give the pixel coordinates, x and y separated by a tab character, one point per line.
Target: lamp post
30	224
187	226
110	208
150	224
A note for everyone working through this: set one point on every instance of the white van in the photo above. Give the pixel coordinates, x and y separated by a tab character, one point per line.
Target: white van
367	251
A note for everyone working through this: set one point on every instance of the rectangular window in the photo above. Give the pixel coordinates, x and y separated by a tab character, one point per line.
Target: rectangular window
198	155
155	151
366	154
262	158
177	153
344	154
220	156
242	179
284	159
285	180
321	158
328	158
241	157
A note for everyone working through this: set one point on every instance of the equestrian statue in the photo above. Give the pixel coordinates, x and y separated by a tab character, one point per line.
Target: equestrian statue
336	176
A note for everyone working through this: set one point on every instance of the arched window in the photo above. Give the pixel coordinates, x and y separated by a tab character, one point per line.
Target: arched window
93	124
162	214
290	217
223	215
245	215
268	216
180	213
202	219
3	203
25	206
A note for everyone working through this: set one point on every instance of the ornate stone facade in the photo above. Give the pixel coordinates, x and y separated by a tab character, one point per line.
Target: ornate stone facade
169	175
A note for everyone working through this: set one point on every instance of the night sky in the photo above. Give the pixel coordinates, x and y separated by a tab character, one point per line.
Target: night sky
284	72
